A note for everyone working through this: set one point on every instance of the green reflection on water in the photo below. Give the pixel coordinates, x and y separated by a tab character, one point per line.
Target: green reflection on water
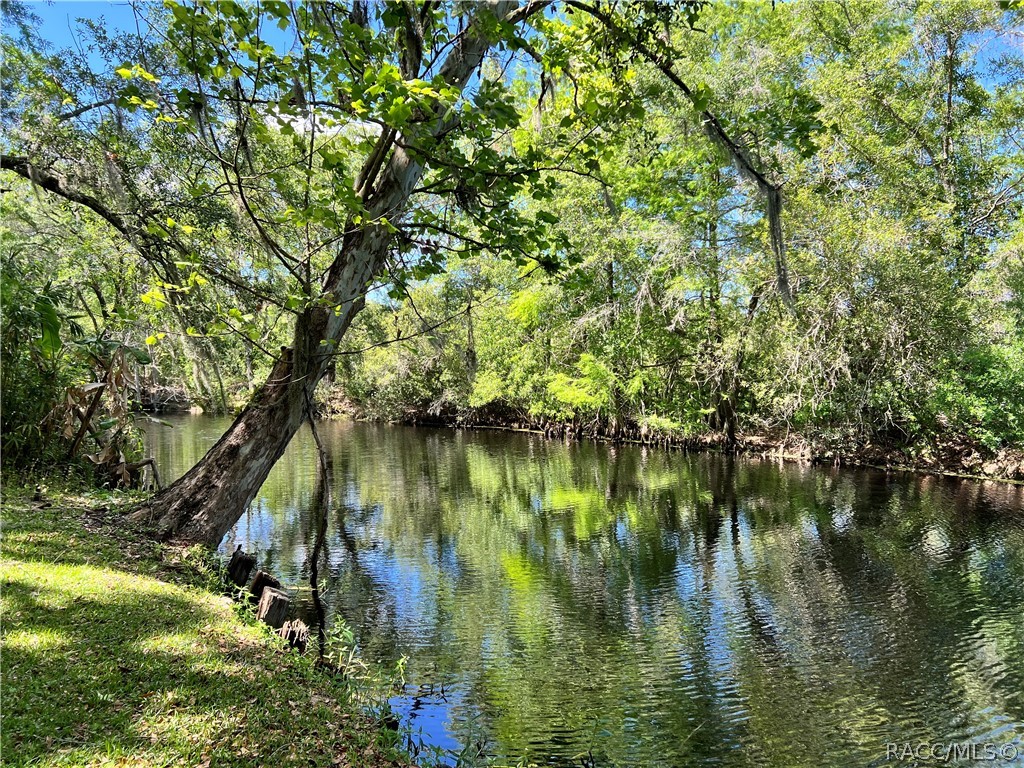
655	608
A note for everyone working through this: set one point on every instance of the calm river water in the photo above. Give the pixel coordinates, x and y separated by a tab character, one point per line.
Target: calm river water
651	608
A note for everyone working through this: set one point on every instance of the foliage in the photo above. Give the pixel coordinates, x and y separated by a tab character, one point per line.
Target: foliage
31	379
813	225
65	391
902	181
986	395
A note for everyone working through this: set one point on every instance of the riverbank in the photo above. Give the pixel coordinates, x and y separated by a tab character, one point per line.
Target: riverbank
120	651
953	454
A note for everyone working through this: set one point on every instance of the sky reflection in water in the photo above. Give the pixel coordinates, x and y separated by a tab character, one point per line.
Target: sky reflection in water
654	608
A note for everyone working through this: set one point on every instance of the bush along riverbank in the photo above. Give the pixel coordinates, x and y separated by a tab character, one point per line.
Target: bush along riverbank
949	454
119	651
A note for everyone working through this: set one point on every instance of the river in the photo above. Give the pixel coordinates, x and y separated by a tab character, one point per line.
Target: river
570	602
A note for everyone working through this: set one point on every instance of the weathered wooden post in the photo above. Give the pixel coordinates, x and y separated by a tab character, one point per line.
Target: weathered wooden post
296	634
240	566
273	607
261	581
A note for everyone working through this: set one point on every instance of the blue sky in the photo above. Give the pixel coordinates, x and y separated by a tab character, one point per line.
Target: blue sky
59	21
58	18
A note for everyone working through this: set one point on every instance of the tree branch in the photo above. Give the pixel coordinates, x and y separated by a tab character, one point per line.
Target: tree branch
714	130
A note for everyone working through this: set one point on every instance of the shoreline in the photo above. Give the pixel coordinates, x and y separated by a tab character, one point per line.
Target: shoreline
958	457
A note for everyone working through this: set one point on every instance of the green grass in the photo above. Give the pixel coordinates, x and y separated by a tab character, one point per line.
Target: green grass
112	656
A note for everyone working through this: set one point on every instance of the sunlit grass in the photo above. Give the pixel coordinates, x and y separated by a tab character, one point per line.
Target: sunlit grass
111	657
28	641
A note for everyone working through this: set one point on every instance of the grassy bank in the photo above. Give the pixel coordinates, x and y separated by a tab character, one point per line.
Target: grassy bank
114	653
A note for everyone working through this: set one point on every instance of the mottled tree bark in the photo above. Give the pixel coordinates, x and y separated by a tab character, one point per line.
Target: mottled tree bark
206	501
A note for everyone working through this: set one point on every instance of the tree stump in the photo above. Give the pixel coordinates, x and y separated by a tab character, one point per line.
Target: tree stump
240	566
273	607
261	581
296	634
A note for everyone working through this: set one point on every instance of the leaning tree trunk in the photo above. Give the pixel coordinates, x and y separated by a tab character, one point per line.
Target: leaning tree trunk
205	502
202	504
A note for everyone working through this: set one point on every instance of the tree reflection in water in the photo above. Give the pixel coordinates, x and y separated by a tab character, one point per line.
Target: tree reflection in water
651	607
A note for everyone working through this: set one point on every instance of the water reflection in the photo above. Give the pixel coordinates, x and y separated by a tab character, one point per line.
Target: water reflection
652	608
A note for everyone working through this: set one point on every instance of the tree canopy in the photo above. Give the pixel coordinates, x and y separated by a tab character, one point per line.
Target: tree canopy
658	221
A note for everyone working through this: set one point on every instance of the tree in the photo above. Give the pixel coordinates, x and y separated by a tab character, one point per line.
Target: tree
369	99
399	90
667	325
646	30
70	135
748	233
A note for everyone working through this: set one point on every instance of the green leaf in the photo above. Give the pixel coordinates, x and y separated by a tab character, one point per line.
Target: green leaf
49	342
399	112
155	298
701	97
